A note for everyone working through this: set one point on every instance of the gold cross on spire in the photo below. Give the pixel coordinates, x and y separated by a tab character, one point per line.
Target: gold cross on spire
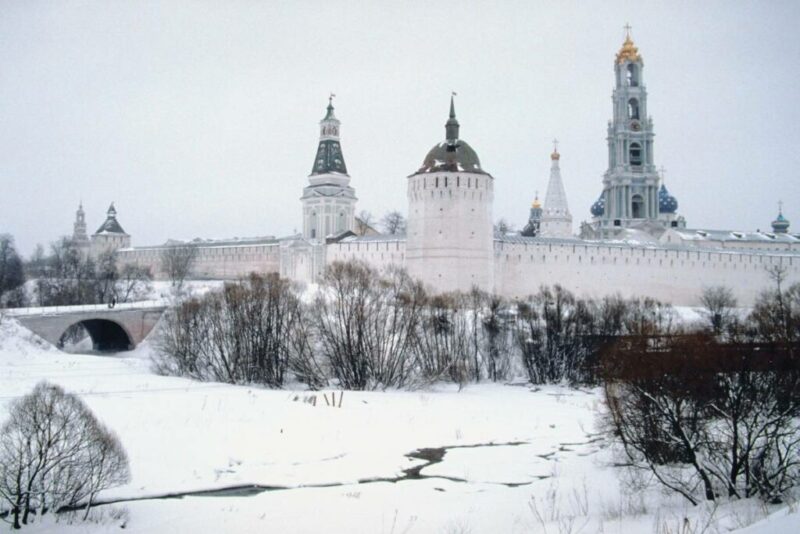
627	28
555	145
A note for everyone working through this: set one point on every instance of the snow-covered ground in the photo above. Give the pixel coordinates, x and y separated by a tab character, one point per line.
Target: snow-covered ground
490	458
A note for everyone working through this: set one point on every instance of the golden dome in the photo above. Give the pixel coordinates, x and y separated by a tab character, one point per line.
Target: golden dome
555	155
628	52
536	204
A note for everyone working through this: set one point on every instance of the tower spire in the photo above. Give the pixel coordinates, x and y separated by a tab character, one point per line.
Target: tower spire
451	127
556	220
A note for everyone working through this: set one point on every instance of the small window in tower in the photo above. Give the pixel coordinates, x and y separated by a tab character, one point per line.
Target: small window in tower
632	75
633	109
636	154
637	207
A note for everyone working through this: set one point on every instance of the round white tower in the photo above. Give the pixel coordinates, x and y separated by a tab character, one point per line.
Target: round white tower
450	244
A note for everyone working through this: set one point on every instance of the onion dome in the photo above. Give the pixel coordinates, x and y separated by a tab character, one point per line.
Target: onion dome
666	202
536	204
599	207
628	52
452	154
781	224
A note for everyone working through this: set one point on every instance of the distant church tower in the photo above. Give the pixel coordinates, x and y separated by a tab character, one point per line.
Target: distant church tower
329	202
781	224
630	185
110	236
450	243
79	236
556	219
534	225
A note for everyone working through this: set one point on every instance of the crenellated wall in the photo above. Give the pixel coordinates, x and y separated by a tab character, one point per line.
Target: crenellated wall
674	275
223	262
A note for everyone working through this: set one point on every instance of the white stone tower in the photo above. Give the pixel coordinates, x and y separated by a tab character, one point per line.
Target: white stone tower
329	202
556	218
630	185
79	236
110	236
450	245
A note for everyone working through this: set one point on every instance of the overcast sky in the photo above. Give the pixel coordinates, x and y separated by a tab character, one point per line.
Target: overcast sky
200	119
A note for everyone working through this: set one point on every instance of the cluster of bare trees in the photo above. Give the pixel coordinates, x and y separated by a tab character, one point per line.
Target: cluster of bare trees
12	274
363	329
70	276
242	334
55	454
560	338
714	413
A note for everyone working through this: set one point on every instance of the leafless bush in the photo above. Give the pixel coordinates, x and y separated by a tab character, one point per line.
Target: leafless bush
244	334
69	276
443	344
707	419
365	324
177	262
719	306
53	454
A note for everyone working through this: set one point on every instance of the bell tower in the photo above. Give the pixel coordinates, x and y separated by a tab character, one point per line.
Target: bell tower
329	202
630	185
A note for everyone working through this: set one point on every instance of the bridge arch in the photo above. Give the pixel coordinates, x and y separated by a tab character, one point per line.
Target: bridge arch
107	335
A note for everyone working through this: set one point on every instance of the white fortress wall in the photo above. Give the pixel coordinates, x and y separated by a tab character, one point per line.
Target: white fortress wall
677	276
222	262
378	251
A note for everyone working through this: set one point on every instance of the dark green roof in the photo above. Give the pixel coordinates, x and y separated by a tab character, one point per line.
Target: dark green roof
329	158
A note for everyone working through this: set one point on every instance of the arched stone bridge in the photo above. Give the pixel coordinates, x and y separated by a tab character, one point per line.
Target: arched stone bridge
112	329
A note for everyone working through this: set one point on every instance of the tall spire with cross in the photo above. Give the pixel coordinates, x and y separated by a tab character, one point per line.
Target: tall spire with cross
556	218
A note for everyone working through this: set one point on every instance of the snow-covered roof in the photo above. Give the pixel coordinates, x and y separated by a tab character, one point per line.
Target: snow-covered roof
687	234
227	242
632	243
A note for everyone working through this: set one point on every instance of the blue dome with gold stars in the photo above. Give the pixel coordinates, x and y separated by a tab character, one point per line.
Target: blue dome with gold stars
666	202
599	207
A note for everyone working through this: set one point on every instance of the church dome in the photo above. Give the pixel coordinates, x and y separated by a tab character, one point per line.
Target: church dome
452	154
666	202
599	207
781	224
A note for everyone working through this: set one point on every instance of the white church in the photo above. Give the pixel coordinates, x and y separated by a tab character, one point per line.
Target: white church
635	244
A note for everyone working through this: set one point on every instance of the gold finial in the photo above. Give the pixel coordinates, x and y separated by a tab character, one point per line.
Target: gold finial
536	204
628	52
555	155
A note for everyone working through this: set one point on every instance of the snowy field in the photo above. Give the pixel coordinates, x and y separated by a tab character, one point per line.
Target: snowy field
488	459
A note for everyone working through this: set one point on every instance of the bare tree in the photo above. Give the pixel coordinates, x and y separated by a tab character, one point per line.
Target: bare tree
394	223
365	324
503	227
364	222
707	418
55	454
12	275
177	262
443	341
245	333
68	277
719	307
